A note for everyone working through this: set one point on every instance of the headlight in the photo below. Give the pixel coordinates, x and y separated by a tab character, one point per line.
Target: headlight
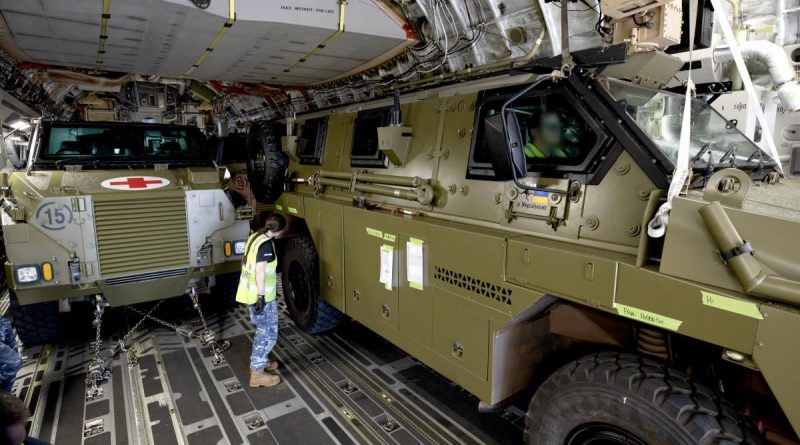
238	247
27	274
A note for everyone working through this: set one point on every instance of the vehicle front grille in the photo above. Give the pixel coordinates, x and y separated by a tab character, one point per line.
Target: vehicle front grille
141	235
146	277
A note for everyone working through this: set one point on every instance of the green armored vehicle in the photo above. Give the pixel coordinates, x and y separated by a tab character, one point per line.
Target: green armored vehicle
132	212
496	230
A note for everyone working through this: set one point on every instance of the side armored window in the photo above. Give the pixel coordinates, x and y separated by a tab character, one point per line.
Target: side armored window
556	133
365	151
311	143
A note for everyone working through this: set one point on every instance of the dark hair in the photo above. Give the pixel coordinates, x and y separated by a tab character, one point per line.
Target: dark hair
278	217
12	410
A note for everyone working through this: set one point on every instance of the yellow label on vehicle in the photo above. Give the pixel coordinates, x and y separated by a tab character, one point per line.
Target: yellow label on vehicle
293	210
416	241
389	237
662	321
730	304
374	232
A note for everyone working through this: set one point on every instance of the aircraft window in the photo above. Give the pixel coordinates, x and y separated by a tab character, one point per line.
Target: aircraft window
311	142
555	133
365	152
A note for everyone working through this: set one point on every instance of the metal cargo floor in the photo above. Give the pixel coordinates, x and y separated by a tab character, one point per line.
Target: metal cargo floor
346	387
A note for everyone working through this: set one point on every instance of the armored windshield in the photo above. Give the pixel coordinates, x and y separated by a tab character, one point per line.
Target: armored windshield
121	143
714	140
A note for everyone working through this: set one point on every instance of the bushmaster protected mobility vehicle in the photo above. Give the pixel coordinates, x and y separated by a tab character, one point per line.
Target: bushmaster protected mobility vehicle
128	211
497	231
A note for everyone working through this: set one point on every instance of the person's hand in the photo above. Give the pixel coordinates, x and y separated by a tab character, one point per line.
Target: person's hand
259	305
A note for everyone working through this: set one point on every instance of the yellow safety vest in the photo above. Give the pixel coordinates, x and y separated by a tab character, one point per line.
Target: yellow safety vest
532	151
248	287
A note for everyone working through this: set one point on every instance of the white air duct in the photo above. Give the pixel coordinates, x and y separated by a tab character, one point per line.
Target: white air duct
778	65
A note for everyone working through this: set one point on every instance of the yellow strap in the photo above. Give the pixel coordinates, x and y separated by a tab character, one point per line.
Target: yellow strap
327	41
210	47
101	45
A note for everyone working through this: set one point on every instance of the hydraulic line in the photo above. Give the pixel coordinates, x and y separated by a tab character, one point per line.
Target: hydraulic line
410	195
402	181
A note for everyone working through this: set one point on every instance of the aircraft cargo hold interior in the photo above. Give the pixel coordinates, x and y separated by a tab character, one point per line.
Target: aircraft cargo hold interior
543	222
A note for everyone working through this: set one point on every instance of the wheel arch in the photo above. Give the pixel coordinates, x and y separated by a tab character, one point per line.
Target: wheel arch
567	331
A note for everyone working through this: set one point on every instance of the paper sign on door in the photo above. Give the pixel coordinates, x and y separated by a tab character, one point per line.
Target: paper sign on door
387	266
415	263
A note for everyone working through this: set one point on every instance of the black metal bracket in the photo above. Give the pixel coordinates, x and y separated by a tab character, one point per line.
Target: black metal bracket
705	89
582	59
744	249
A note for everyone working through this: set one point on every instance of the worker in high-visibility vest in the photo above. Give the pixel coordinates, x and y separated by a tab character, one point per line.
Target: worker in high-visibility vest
258	288
546	135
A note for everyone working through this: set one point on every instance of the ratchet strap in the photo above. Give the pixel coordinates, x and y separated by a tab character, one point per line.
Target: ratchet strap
727	32
657	227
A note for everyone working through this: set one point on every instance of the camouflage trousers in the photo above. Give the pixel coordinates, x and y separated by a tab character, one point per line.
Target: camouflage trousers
266	324
10	361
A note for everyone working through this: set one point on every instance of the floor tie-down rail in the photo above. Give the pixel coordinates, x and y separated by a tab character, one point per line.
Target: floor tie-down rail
98	371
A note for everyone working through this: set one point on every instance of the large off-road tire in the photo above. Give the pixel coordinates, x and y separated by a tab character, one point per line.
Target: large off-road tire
610	398
300	280
266	163
36	323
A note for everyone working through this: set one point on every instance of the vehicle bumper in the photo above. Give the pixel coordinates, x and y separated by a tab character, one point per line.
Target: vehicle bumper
128	291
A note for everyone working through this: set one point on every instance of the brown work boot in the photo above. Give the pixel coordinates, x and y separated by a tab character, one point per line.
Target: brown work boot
271	365
261	379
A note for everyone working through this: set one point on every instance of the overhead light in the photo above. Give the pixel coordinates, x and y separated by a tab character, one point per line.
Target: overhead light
20	125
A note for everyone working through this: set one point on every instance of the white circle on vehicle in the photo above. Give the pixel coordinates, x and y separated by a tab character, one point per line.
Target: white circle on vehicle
135	183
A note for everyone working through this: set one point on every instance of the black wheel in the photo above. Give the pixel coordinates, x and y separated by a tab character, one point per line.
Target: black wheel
300	280
266	163
36	323
224	291
617	398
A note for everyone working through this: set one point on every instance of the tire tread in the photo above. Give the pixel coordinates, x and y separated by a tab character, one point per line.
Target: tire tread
702	414
324	316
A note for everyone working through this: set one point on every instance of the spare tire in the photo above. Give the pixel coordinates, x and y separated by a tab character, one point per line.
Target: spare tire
266	163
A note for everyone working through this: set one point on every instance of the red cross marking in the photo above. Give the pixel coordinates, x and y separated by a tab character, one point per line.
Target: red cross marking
137	183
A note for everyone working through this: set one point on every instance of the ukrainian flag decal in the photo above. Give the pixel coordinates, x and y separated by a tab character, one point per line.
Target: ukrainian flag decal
540	197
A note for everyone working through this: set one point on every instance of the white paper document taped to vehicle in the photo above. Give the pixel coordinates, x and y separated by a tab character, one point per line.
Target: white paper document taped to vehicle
415	263
387	266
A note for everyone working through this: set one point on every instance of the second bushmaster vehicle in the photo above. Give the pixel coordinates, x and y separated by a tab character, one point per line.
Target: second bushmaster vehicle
497	231
129	211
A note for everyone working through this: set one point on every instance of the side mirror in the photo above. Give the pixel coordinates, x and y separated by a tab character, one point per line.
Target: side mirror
506	149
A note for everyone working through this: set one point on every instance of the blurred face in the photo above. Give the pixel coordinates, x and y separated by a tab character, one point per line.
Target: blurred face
13	435
549	133
273	225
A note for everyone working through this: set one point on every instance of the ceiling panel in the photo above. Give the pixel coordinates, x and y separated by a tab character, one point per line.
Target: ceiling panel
166	37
